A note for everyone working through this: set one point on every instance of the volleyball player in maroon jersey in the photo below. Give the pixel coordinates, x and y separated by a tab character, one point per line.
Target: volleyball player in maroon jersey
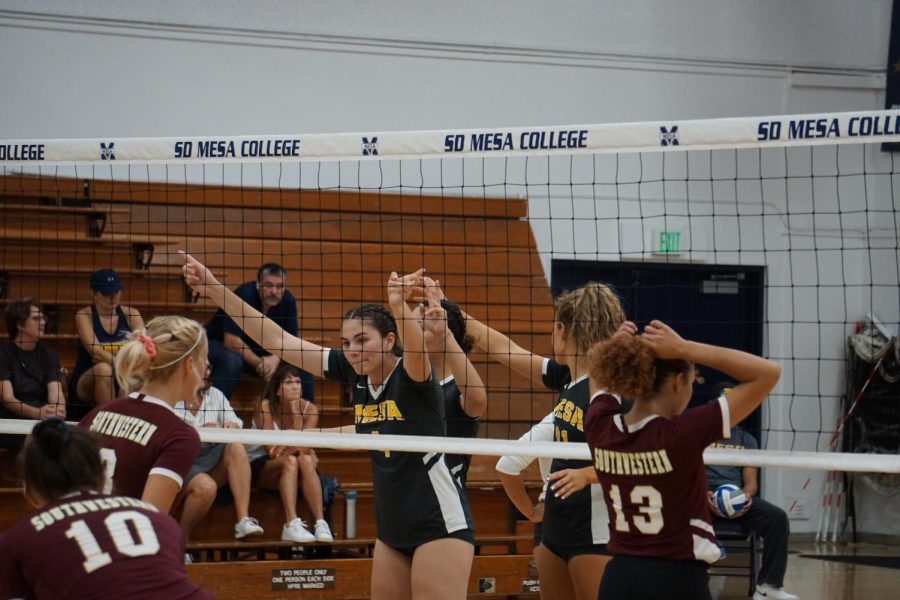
650	460
84	544
147	449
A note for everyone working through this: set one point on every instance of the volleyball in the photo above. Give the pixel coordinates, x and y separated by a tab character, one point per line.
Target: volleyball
730	500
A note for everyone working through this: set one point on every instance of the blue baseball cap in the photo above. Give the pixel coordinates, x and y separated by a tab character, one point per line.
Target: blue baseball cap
106	281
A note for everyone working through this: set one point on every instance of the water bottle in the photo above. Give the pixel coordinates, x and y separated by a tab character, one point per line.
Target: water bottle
350	514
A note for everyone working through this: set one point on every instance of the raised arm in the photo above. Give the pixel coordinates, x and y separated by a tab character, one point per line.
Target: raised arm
264	331
444	349
505	351
415	357
757	376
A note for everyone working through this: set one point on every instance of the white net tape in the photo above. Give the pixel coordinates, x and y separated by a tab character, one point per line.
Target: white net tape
817	461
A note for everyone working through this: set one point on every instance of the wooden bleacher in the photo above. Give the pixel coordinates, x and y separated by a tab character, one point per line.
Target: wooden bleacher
55	232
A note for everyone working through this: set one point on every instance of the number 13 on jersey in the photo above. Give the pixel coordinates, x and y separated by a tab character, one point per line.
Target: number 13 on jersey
648	502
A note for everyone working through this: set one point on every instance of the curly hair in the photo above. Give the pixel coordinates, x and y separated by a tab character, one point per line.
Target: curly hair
625	365
591	313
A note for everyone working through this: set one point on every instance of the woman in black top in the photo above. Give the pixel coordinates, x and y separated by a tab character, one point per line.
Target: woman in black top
425	539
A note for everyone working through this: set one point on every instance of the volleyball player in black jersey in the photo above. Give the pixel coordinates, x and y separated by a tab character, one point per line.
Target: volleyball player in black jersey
448	344
425	537
575	525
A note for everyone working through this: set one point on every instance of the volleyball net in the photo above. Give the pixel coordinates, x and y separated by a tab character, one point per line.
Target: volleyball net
776	235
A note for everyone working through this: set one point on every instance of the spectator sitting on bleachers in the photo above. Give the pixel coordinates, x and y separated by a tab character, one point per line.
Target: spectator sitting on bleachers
285	468
216	464
29	371
231	351
102	329
760	516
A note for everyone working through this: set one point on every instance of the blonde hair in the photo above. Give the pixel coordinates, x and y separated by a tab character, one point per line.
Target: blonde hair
591	314
155	351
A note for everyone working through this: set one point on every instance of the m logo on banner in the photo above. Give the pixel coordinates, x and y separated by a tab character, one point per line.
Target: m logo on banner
668	137
107	151
370	147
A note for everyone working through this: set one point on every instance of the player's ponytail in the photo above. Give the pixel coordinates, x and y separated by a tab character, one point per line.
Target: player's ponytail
457	326
591	314
156	351
60	459
625	365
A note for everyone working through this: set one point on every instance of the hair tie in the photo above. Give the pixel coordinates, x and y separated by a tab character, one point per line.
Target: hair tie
61	425
149	344
189	350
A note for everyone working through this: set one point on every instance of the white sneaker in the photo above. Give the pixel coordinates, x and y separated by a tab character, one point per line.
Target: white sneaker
246	526
764	591
296	532
323	531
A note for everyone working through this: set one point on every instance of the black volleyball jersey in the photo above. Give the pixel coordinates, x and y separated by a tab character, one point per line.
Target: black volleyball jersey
416	498
459	425
581	519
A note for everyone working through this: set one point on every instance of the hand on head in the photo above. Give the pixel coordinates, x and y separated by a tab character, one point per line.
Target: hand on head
663	341
626	328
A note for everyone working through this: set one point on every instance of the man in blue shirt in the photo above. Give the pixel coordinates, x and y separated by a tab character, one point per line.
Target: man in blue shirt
768	521
232	353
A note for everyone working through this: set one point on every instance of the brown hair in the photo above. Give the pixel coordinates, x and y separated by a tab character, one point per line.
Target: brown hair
380	318
625	365
173	339
282	372
591	314
17	312
60	459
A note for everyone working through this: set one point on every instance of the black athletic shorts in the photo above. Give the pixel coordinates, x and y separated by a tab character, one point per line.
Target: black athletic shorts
568	554
466	535
643	578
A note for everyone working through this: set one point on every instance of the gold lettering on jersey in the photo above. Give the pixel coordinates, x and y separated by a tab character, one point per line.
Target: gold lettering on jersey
569	412
115	425
112	347
655	462
727	446
386	410
80	507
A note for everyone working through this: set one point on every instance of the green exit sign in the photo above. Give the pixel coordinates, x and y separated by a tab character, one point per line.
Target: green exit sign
668	242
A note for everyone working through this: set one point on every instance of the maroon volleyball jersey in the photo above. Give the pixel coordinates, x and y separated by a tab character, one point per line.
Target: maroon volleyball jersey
142	436
94	546
654	480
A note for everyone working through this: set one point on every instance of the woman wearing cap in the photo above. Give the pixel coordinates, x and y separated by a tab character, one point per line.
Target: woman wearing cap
102	328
